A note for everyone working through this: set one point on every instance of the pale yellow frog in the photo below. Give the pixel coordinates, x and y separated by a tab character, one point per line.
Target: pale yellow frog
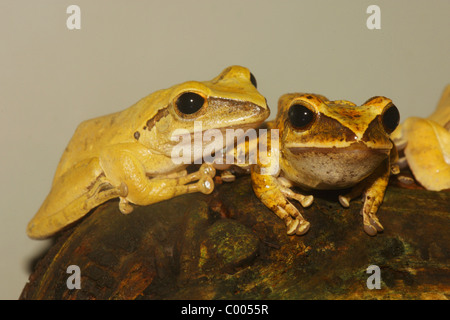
327	145
426	146
129	154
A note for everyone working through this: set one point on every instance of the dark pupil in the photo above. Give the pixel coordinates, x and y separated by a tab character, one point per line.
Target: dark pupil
300	116
391	118
253	80
189	102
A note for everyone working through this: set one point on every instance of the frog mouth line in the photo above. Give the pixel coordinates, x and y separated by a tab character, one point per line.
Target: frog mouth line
237	137
356	148
226	145
251	125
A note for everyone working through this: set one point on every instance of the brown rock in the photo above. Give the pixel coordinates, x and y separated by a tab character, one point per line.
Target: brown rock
228	245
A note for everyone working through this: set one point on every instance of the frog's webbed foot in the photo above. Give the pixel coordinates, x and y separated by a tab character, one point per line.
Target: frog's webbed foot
204	177
371	224
373	197
295	222
305	201
395	169
300	225
124	206
405	179
227	176
104	191
230	173
274	193
165	187
285	186
371	204
372	201
206	184
355	192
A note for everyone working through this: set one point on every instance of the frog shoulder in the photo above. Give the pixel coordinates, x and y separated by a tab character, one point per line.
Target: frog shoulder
88	139
104	122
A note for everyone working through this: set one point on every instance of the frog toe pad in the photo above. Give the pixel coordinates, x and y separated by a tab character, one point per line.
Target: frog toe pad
206	185
302	227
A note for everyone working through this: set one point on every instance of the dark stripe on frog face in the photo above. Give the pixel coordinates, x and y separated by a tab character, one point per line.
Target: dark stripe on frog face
324	129
227	106
376	134
160	114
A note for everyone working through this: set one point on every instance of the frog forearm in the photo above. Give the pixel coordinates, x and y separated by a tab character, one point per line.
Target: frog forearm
268	190
373	198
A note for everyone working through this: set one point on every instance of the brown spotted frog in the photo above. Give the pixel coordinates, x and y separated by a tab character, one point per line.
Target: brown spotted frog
326	145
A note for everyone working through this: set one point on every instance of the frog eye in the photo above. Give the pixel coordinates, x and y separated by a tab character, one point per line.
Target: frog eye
390	118
189	102
253	80
300	116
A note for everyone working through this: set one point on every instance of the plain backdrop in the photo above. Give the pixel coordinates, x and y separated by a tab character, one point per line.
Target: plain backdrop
52	78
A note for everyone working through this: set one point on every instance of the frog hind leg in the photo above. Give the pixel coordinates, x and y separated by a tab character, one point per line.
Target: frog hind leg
72	196
428	153
274	196
123	168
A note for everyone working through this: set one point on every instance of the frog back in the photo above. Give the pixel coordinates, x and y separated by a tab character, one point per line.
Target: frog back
92	136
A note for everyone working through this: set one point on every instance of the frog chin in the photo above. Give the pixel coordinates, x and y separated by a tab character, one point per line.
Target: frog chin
333	168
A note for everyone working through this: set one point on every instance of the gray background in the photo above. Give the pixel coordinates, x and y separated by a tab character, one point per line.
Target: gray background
52	78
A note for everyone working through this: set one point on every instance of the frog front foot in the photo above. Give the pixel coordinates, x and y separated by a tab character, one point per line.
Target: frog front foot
206	184
297	226
275	196
370	220
294	221
166	187
204	177
371	224
227	176
372	202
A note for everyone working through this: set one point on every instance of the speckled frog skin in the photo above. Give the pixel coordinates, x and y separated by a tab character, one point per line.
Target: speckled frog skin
327	145
128	154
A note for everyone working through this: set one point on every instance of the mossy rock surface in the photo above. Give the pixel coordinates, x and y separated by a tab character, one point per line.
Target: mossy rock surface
228	245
